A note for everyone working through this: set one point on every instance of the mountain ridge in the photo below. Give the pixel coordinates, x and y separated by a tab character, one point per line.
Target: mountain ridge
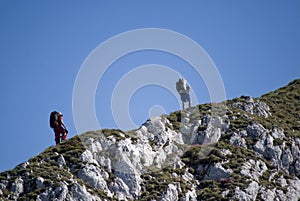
242	149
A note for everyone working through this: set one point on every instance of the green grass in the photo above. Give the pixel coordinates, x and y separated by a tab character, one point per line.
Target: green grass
45	165
284	106
156	182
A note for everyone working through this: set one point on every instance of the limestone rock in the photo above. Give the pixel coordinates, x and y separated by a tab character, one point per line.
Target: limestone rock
248	194
17	186
79	193
40	182
120	189
217	172
237	140
146	163
171	194
95	177
252	106
267	194
254	169
255	130
61	161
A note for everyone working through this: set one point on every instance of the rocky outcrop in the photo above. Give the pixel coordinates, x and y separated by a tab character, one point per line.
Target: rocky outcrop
270	145
75	193
155	146
95	176
252	106
208	130
208	152
254	169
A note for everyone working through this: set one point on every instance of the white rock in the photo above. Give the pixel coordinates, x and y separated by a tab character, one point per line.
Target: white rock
252	190
171	194
120	189
225	152
87	156
269	141
39	182
217	172
22	165
132	180
293	188
95	147
237	140
253	169
185	120
17	186
104	161
94	176
287	158
190	195
61	161
262	109
252	106
79	193
46	195
275	155
260	147
186	130
155	125
267	194
277	133
225	193
255	130
240	195
3	184
282	181
295	150
187	176
61	192
178	164
297	167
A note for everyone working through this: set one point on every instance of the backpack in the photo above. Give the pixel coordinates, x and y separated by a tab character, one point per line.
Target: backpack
53	118
181	86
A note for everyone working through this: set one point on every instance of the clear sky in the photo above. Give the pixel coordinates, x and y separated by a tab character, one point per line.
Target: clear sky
255	46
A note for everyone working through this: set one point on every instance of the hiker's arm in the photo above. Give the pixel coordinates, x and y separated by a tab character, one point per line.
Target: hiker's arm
63	125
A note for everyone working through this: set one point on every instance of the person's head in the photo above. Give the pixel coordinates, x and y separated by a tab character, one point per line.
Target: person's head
59	116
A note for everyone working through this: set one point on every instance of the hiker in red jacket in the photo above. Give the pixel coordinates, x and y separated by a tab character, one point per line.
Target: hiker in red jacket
60	130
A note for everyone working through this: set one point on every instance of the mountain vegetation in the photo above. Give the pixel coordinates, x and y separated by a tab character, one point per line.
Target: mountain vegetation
242	149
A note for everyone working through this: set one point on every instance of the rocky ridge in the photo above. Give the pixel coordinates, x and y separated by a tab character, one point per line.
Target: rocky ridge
244	149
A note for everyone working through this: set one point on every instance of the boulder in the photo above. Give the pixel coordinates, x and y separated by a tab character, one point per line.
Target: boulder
61	161
253	169
217	172
237	140
248	194
17	186
120	189
95	176
255	130
171	194
40	182
79	193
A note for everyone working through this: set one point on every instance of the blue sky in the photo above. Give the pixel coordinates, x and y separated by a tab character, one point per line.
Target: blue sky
255	46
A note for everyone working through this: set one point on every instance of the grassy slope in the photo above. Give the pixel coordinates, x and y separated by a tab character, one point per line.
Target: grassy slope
284	105
285	109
